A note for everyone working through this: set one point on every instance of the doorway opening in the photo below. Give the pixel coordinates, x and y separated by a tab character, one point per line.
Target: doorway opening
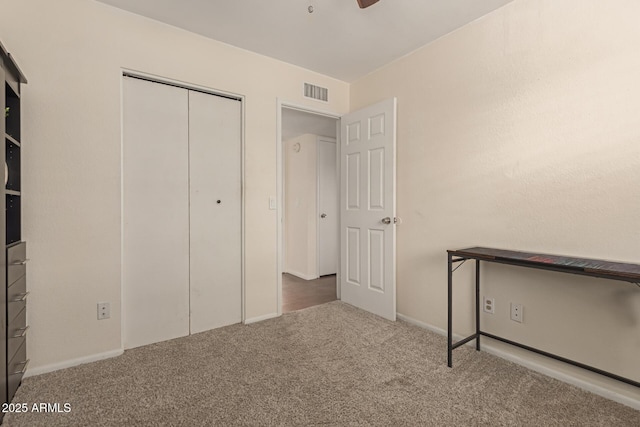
308	225
366	273
298	293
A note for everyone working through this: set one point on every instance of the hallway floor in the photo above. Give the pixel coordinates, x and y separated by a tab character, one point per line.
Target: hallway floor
299	293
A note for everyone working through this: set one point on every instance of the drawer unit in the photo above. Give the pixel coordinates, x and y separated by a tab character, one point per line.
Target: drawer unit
16	306
16	333
16	368
16	262
16	298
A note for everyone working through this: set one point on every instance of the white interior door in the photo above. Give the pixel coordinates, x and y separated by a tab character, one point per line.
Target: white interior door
367	208
327	207
215	211
155	212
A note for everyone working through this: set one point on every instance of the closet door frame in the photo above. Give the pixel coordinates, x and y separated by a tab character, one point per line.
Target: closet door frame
189	86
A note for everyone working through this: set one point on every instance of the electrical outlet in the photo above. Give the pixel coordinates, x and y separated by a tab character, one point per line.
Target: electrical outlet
516	312
489	305
104	310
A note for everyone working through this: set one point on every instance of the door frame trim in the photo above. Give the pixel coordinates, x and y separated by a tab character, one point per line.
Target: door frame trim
281	103
335	142
189	86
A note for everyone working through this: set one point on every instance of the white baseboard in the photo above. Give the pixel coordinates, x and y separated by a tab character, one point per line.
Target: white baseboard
302	275
423	325
600	390
31	372
260	318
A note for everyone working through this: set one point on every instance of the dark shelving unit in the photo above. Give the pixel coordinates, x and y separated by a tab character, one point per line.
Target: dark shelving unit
13	327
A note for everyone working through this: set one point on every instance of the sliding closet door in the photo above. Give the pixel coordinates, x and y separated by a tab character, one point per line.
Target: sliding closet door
215	214
155	212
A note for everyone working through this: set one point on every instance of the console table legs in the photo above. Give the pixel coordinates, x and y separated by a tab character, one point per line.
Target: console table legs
450	345
449	313
478	305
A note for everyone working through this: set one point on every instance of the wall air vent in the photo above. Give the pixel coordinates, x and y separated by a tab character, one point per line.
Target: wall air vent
316	92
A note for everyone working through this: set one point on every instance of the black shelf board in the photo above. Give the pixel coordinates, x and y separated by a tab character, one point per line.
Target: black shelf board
12	139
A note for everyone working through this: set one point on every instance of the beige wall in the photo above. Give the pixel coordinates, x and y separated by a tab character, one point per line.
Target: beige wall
522	131
73	52
300	217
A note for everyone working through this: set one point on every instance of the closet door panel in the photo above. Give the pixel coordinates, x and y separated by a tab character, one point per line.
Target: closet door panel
155	212
215	210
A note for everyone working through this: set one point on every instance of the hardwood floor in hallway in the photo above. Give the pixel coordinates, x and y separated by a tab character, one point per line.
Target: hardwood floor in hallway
299	293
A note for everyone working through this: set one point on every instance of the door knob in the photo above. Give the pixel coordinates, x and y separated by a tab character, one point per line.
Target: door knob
324	215
388	220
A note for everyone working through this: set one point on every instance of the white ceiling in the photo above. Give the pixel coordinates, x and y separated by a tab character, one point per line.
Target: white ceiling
338	39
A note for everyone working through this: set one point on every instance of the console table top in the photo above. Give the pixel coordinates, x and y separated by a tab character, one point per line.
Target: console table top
596	267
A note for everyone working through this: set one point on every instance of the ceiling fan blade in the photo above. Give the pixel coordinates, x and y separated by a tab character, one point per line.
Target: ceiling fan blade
366	3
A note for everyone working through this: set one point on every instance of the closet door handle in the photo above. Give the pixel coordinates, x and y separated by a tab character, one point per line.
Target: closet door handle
23	262
22	297
23	334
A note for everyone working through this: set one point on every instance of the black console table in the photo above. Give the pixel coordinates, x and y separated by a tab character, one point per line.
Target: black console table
584	266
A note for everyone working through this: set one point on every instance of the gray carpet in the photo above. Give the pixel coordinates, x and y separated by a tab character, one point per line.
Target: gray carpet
326	365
